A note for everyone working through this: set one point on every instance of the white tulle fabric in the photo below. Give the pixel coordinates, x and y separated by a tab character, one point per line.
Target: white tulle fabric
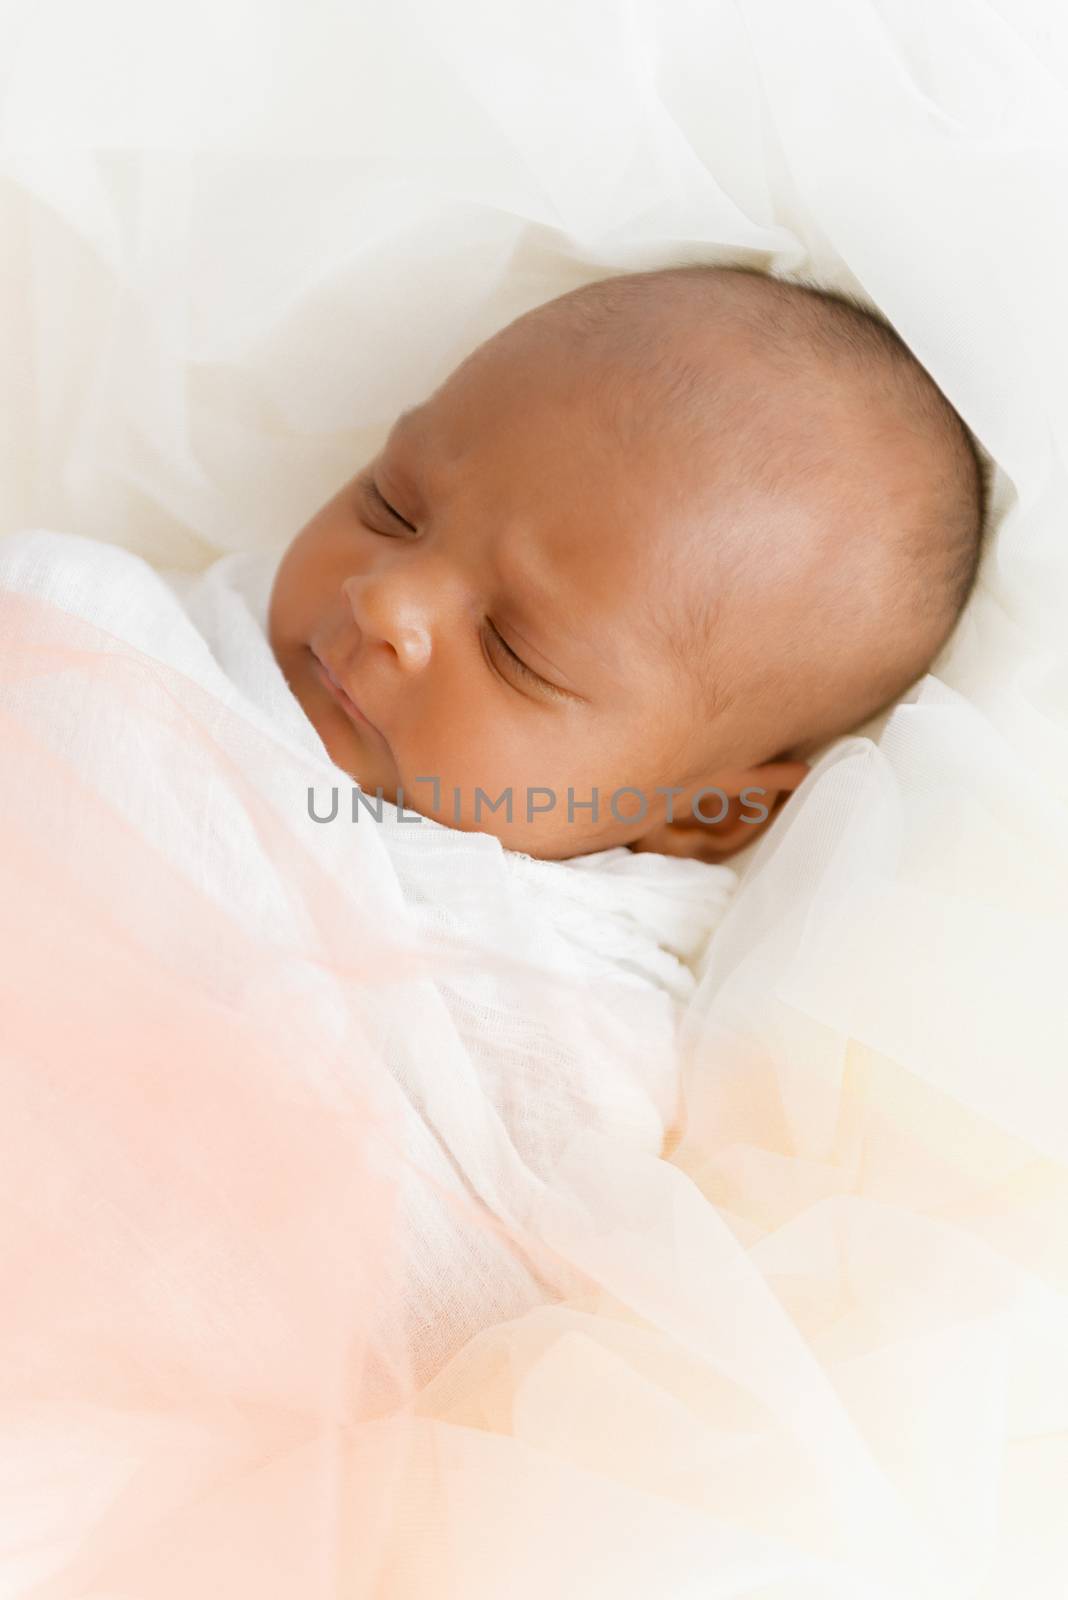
304	1292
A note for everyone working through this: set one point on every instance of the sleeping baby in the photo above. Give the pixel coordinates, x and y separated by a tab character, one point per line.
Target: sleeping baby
663	536
644	551
595	604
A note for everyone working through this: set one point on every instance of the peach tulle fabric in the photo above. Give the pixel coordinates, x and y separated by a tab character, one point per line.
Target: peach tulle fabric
259	1339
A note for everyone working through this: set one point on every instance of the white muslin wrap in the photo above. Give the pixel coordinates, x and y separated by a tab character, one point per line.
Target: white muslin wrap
498	1083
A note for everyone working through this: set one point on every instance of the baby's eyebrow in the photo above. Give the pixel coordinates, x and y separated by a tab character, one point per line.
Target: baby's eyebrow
530	602
412	424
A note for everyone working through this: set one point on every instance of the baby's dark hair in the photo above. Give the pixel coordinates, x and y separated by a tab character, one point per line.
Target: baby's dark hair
939	546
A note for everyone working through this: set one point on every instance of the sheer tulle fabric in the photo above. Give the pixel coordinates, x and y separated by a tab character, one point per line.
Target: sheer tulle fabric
289	1309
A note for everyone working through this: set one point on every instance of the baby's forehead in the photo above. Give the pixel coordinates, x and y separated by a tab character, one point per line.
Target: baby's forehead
635	485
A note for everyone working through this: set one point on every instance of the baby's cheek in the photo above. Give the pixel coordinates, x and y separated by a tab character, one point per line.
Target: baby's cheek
455	770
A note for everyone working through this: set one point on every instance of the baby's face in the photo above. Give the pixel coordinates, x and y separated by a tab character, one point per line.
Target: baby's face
500	594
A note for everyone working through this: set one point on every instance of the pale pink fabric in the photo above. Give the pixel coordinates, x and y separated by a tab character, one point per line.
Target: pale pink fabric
337	1257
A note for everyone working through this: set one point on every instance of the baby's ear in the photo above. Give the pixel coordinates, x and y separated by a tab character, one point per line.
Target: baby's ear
714	819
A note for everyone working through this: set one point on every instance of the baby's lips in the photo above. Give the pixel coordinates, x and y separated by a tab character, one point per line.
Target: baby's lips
333	682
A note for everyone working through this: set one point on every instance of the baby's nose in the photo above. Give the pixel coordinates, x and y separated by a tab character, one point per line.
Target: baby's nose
386	610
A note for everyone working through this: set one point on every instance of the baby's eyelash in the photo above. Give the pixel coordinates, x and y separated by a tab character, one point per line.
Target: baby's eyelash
528	672
374	497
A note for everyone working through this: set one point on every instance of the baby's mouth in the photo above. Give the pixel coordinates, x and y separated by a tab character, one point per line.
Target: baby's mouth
329	678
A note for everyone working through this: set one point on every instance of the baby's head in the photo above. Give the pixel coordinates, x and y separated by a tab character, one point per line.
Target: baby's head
672	531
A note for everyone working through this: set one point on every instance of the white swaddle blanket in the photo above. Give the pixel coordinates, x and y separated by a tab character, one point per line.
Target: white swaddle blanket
335	1202
497	1085
609	913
